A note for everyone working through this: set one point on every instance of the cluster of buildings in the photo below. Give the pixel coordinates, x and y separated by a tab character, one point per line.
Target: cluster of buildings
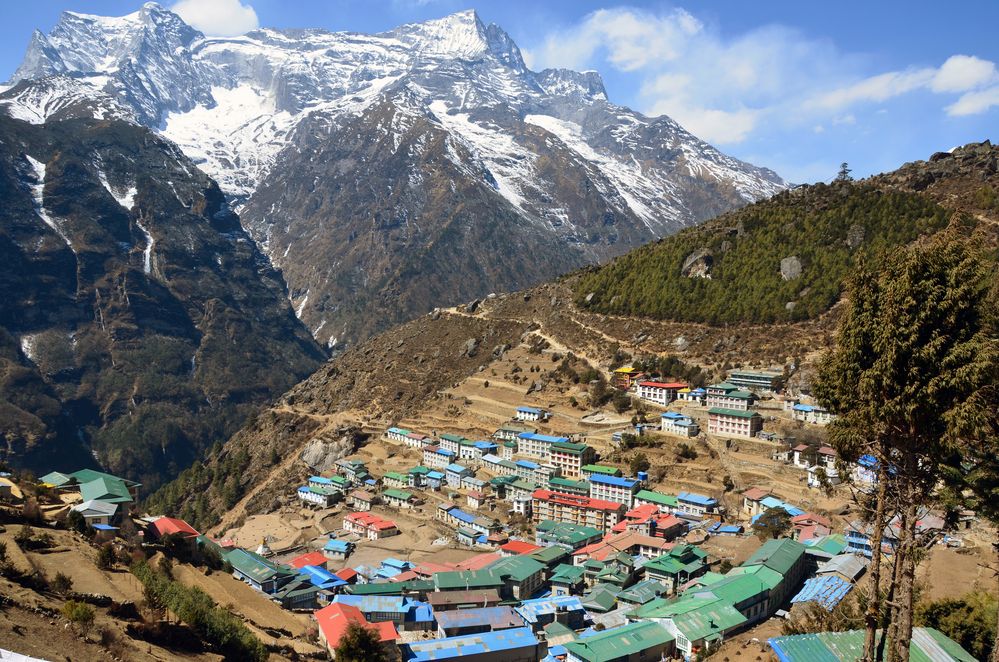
730	404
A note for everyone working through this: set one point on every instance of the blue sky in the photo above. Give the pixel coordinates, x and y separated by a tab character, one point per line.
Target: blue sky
795	86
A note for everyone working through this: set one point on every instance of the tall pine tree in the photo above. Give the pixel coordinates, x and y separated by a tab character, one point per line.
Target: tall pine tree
911	362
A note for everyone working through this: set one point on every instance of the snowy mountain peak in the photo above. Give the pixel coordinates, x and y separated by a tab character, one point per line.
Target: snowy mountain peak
569	83
309	132
461	35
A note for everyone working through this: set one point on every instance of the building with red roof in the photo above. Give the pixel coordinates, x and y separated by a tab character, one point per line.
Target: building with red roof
426	569
369	525
334	619
661	393
170	526
575	509
518	547
751	500
629	542
479	561
311	558
348	575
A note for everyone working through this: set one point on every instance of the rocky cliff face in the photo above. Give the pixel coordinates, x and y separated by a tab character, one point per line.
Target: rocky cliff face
387	174
139	323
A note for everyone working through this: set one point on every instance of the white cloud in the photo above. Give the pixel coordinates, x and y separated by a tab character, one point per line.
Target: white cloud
974	103
961	73
217	18
724	88
631	39
874	88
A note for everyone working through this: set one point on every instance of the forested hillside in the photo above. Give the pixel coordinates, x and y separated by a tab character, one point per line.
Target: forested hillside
779	260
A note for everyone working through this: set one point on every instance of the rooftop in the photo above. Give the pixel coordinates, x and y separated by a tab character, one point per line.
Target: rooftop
927	645
619	643
737	413
496	618
454	647
600	469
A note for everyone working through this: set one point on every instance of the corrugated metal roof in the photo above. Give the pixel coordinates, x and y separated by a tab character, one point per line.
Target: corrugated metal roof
452	647
927	645
826	591
496	618
620	642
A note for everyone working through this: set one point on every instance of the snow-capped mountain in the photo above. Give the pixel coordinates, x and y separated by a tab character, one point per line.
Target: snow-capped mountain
354	157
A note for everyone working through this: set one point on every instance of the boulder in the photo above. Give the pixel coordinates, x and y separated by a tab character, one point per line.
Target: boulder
471	347
698	264
790	268
855	236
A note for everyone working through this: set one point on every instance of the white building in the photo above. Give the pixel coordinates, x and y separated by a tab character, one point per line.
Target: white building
728	396
661	393
811	414
678	424
531	414
396	434
613	488
734	422
537	445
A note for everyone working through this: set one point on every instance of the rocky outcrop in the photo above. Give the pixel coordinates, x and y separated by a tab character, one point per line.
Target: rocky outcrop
140	324
698	264
322	453
790	267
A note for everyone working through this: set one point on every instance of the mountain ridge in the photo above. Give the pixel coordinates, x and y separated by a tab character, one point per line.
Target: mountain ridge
140	323
551	156
417	371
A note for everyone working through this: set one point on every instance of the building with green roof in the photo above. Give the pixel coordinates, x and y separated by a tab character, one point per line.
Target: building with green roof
697	624
395	479
666	503
258	572
549	556
628	643
677	567
516	577
399	498
927	645
522	575
107	489
466	580
569	486
786	557
590	469
826	547
600	598
566	535
567	579
102	486
641	593
556	633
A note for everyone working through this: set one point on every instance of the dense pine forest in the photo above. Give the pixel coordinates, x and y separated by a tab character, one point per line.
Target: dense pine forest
730	270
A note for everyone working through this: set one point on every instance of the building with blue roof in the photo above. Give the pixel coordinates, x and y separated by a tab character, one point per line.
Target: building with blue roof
513	645
338	549
827	591
673	422
455	473
460	622
435	479
697	505
537	445
531	414
773	502
614	488
405	612
321	577
565	609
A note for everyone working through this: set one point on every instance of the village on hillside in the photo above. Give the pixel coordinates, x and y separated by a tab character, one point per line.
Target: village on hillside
558	536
